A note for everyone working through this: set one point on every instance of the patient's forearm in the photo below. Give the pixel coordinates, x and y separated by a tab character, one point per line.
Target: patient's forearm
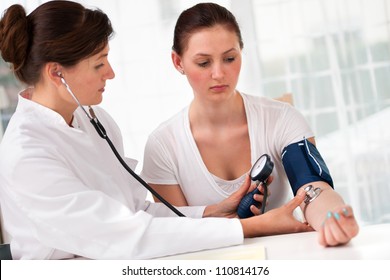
316	211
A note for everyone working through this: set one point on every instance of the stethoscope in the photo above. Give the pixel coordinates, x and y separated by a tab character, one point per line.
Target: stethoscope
102	133
259	173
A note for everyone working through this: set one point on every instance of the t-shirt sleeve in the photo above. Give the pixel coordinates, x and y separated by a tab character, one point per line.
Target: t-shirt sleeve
158	165
292	127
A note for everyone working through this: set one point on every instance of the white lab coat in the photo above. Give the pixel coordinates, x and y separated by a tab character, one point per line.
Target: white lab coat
64	194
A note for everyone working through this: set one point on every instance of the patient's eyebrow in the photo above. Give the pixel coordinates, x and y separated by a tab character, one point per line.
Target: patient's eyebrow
225	52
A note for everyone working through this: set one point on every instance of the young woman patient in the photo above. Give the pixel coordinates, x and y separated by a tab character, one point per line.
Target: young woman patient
203	154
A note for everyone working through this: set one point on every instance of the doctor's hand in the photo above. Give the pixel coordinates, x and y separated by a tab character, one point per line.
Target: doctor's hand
228	207
260	197
276	221
339	227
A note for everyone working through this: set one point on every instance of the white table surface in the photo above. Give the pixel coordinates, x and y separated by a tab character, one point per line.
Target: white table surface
372	243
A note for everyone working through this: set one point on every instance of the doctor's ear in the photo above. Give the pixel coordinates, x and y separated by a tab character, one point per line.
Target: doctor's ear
53	70
54	75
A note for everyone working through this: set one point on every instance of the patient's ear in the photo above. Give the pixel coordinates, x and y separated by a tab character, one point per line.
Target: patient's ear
177	62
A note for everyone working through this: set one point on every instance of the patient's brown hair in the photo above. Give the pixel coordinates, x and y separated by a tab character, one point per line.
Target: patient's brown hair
200	16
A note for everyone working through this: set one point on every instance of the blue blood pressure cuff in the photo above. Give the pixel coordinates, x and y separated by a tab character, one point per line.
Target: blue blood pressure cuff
303	164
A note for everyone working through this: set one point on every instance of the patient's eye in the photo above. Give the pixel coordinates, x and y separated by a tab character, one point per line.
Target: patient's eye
203	64
230	59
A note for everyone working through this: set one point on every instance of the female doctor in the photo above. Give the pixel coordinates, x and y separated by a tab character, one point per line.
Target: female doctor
63	192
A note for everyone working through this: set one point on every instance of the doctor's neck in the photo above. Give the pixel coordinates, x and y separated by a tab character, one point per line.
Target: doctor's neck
51	99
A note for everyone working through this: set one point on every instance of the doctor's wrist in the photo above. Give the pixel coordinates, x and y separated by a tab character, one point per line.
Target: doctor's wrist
210	211
218	210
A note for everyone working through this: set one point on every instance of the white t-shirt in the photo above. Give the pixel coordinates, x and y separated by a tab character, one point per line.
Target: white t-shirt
63	193
172	157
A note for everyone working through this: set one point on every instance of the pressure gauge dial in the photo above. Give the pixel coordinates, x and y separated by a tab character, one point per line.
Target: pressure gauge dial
262	168
260	172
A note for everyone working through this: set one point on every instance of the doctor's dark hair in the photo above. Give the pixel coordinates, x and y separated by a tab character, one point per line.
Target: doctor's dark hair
201	16
57	31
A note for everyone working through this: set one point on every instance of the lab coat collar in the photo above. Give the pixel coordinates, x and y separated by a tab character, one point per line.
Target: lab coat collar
26	106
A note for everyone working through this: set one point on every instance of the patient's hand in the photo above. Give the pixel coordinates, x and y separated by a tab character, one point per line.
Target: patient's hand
339	227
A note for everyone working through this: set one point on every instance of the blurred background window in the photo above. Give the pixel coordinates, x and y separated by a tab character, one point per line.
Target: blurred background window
8	98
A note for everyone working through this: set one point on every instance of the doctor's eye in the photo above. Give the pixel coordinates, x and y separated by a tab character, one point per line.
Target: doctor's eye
97	67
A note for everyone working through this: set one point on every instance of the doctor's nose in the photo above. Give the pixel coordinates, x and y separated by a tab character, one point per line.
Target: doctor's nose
110	74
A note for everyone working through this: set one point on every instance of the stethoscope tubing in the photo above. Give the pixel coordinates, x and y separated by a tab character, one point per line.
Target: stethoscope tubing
102	133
